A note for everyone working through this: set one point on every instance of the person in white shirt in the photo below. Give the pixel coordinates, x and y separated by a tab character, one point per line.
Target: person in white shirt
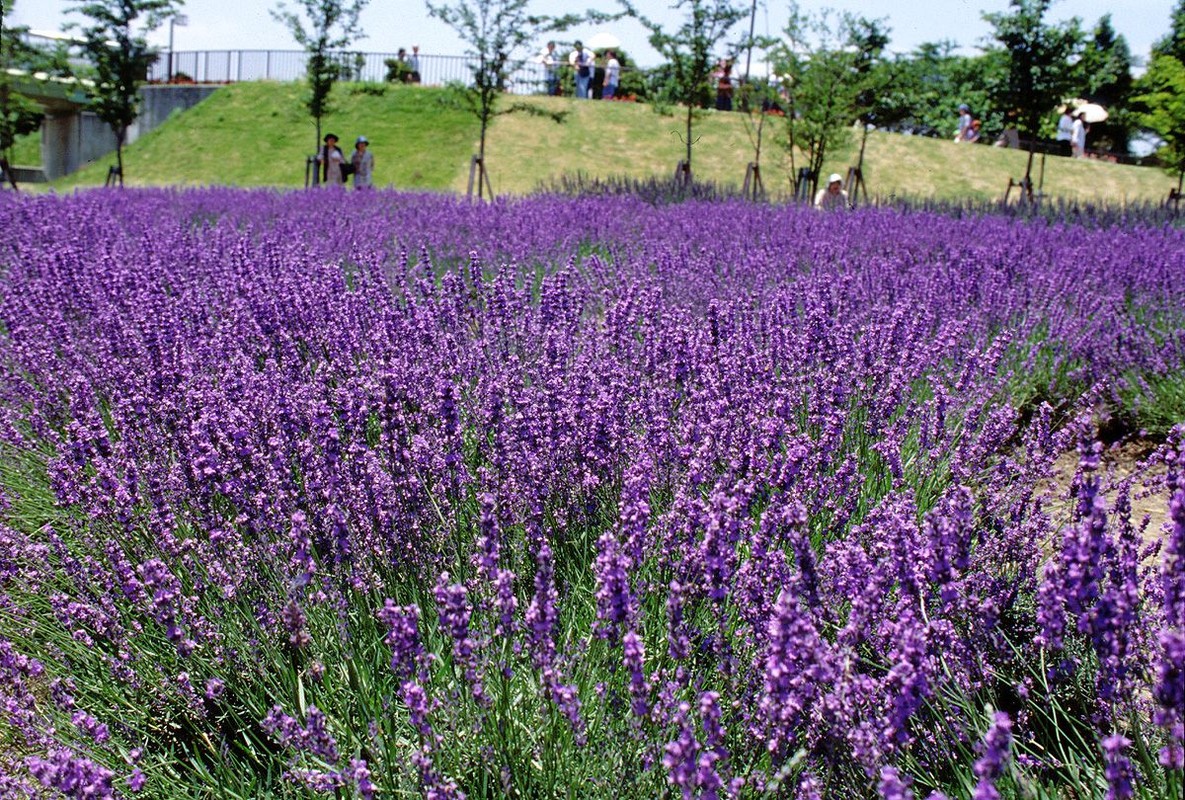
1078	136
1065	132
582	62
832	197
612	76
551	69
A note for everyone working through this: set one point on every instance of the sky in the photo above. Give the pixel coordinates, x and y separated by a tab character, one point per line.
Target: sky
391	24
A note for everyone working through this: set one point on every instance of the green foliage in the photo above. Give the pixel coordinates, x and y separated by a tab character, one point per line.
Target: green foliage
332	25
120	57
18	115
498	33
398	70
1161	95
829	63
1037	62
689	51
1105	72
1173	44
919	92
1162	92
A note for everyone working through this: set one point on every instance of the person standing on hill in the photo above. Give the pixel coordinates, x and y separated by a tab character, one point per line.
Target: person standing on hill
363	161
413	65
583	62
964	122
330	160
723	75
551	69
1065	132
1078	136
612	76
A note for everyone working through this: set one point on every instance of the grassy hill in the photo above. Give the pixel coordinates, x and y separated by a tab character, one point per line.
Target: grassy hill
258	134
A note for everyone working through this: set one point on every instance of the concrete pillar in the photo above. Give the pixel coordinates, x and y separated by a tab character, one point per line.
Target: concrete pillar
60	143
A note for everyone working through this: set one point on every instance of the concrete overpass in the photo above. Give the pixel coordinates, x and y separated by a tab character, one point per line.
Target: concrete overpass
72	137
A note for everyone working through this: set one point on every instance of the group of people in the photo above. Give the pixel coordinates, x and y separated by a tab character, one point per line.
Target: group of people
969	127
334	169
409	65
584	67
1072	128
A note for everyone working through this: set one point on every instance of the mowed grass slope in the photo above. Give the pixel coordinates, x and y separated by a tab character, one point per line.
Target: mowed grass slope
258	134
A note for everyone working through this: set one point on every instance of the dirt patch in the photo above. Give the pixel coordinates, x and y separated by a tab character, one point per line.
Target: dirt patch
1133	463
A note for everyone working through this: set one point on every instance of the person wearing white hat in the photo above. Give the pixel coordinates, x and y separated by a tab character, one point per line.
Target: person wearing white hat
363	161
832	197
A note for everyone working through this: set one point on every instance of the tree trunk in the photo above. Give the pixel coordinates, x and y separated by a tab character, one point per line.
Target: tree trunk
1028	184
690	110
481	157
120	136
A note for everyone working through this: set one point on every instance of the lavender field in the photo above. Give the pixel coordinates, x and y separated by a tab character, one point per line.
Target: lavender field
387	495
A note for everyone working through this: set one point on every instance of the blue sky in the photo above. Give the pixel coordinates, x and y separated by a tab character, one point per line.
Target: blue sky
391	24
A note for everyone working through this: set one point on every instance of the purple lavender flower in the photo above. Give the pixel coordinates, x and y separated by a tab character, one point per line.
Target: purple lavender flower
635	655
993	754
71	775
615	601
1118	768
893	786
452	604
402	637
541	613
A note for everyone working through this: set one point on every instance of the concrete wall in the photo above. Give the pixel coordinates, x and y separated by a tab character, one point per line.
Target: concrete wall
158	103
73	138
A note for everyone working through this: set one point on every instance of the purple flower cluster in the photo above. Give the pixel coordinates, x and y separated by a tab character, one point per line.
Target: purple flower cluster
454	489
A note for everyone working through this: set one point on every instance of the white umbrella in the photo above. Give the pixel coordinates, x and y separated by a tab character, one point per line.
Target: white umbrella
1093	111
602	41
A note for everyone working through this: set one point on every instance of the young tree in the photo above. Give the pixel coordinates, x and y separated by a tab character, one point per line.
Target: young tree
120	57
1038	66
828	64
499	34
322	27
689	51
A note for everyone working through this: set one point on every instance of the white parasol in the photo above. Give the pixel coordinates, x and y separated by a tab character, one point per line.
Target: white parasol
602	41
1093	111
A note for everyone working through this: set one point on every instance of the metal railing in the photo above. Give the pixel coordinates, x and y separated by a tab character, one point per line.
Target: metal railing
231	66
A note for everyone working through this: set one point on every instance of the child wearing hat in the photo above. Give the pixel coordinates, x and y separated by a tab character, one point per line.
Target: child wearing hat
832	197
363	161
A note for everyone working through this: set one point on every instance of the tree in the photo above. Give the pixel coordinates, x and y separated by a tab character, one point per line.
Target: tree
18	115
1161	96
827	62
689	52
1038	70
1106	74
1173	44
498	33
919	90
119	58
332	25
